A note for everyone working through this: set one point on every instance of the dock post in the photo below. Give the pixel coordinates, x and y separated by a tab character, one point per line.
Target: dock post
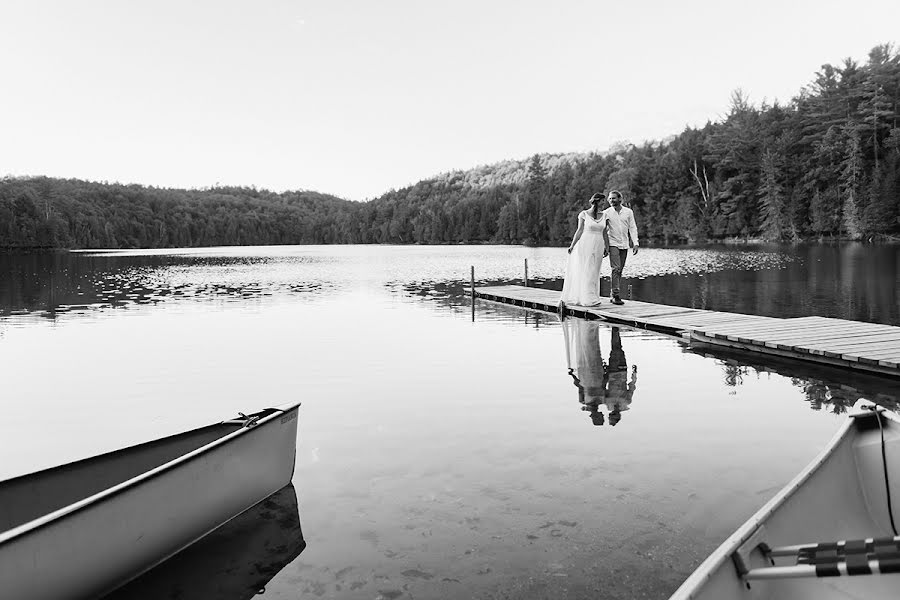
629	291
472	285
526	272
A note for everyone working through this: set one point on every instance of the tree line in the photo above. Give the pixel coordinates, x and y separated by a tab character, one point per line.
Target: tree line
68	213
827	163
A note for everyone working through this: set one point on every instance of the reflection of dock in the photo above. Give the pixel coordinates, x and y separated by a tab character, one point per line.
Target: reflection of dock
851	344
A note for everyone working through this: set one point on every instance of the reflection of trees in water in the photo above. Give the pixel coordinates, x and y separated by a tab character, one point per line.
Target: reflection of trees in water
734	374
825	388
852	281
839	398
54	283
821	395
848	281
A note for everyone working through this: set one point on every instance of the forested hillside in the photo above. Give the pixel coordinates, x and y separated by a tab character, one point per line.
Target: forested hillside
66	213
827	163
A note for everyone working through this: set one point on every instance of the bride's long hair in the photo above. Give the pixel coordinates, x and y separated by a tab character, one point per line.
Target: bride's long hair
595	204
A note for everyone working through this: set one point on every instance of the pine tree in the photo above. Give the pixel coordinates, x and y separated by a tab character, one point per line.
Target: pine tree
771	197
537	175
850	180
890	185
819	218
734	151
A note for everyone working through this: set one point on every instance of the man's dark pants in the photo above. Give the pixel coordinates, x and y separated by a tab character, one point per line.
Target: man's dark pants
617	257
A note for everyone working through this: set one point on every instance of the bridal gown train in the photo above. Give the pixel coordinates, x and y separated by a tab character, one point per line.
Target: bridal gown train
582	283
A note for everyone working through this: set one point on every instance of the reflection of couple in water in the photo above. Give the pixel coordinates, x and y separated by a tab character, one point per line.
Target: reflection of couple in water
598	384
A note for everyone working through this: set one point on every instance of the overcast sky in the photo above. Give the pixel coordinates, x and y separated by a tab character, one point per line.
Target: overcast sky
356	97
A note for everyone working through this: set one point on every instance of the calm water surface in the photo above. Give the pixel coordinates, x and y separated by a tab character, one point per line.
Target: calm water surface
509	457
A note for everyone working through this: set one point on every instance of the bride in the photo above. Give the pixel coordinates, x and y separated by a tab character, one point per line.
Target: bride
589	246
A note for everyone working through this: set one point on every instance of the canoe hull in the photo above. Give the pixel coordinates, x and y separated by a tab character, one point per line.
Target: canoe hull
235	561
107	542
839	496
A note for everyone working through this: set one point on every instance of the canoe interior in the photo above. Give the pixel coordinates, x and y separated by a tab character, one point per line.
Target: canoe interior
31	496
843	498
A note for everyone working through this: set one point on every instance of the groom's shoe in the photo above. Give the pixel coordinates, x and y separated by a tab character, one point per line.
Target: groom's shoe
616	300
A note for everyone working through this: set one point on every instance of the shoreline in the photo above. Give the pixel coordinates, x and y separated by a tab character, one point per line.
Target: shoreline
653	243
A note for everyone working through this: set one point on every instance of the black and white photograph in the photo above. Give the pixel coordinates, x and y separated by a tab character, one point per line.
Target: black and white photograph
418	300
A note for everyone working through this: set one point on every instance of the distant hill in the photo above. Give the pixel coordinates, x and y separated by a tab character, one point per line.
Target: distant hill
515	171
510	172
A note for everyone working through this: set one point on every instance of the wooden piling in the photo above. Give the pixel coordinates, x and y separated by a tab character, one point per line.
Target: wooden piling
526	272
472	283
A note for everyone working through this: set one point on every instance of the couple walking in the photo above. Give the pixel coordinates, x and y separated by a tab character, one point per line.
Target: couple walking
600	233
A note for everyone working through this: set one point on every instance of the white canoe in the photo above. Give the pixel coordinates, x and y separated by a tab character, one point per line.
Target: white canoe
83	529
827	534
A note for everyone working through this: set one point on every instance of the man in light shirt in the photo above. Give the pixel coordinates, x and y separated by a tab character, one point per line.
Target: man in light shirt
622	232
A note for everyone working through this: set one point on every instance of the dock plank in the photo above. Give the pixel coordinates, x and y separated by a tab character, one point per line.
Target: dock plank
831	323
783	327
850	338
837	341
861	325
780	336
868	343
714	318
885	354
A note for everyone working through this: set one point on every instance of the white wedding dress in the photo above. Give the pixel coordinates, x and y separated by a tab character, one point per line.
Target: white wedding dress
582	284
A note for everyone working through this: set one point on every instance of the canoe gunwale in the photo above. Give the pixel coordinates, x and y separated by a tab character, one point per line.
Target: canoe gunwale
109	492
723	553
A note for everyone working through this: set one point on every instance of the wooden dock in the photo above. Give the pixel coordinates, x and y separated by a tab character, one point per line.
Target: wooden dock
852	344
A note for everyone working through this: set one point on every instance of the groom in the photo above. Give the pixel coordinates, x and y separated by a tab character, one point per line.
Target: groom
622	231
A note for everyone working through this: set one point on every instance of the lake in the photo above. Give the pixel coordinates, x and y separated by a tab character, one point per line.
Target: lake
441	457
